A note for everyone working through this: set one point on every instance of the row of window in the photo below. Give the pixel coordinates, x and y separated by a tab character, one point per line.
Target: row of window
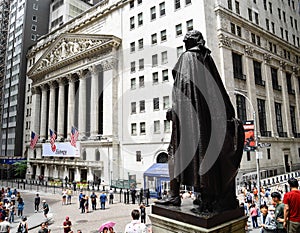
156	105
177	4
156	127
155	79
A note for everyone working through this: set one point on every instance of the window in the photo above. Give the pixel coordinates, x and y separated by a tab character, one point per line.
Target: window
257	73
256	18
265	5
274	74
296	24
258	40
133	107
154	38
286	35
140	19
267	24
132	47
133	129
132	23
131	4
162	9
279	13
289	83
153	13
34	18
292	21
262	117
165	75
132	66
163	35
132	84
237	66
278	118
229	4
281	30
141	64
142	106
177	4
33	27
239	31
270	7
141	81
139	2
155	104
84	155
178	29
250	14
156	126
273	27
187	2
284	19
154	60
138	156
241	107
33	37
269	153
164	57
166	102
189	25
155	77
232	27
179	51
293	119
166	126
35	6
143	128
248	156
141	43
237	7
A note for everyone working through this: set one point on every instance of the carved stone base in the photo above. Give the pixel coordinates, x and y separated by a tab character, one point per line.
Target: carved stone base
184	214
166	225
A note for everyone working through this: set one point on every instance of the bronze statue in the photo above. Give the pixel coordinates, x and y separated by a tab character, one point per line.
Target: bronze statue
207	141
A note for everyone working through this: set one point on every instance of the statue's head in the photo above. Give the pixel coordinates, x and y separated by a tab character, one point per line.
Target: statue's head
193	38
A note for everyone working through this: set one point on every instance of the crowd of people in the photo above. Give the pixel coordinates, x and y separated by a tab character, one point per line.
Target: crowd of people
276	211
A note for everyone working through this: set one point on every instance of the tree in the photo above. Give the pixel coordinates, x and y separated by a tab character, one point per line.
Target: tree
20	168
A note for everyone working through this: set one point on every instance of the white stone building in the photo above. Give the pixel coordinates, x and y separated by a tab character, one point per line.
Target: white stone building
108	72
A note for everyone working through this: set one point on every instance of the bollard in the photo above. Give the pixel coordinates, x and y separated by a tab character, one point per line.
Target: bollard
18	184
120	195
125	197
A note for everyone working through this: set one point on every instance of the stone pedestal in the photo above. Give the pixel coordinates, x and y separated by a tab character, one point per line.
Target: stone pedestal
166	225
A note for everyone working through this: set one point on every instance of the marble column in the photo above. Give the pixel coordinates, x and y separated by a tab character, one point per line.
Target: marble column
82	105
36	99
61	108
71	104
94	100
285	104
77	174
44	107
52	106
297	96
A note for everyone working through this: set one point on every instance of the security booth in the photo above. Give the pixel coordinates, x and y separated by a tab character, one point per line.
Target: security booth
157	180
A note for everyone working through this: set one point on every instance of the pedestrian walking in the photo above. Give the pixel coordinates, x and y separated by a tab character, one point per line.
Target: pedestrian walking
82	201
133	192
135	226
86	204
37	201
23	226
69	196
64	197
79	198
45	208
254	214
20	207
111	196
143	213
291	202
94	200
279	212
12	212
67	225
103	199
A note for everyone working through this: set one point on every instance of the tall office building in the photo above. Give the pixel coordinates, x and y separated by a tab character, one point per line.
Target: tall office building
28	20
108	73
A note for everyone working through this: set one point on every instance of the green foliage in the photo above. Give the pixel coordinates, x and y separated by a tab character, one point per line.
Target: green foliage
20	168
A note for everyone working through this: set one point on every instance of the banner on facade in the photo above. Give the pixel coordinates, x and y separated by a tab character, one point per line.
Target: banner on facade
63	149
249	144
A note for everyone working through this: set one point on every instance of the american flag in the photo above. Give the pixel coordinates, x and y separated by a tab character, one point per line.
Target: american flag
74	136
34	139
52	140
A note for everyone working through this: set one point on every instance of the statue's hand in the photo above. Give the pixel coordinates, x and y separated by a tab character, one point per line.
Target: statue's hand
169	114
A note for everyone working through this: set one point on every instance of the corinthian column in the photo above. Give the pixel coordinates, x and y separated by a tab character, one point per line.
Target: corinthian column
44	107
52	106
71	103
36	100
82	105
61	108
94	100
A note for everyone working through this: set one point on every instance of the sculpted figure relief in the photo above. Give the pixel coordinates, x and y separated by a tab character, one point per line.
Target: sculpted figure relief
207	141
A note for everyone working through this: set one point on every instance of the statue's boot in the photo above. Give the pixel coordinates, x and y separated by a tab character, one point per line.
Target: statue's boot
175	198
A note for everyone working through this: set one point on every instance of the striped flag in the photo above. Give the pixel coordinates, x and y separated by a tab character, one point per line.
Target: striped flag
34	139
74	136
52	140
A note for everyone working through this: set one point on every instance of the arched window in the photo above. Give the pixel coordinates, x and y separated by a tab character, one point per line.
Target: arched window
162	158
84	155
97	155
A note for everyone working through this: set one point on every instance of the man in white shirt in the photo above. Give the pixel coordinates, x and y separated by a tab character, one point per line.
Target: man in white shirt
135	226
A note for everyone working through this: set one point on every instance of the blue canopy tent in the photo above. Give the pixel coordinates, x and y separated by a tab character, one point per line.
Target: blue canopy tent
156	179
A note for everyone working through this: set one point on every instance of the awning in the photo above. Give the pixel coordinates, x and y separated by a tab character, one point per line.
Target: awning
158	170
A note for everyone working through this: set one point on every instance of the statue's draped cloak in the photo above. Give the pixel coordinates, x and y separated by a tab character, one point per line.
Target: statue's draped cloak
196	67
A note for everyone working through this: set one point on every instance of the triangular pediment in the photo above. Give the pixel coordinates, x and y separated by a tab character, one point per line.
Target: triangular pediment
68	48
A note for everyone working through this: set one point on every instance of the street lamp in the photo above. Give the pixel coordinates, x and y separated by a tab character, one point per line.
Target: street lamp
257	154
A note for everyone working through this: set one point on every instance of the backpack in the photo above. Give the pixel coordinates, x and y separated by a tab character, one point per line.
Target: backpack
249	198
22	228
